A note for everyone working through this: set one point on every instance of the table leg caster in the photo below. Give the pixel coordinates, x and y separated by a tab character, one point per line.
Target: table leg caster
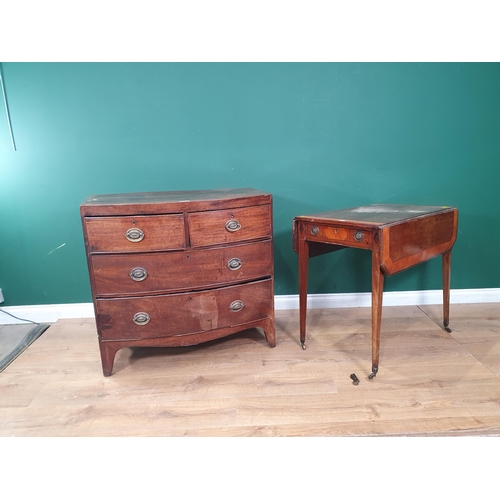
374	372
303	343
446	327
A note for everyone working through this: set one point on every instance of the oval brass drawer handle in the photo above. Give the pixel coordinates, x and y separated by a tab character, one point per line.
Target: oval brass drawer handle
236	305
134	235
138	274
233	225
141	318
234	264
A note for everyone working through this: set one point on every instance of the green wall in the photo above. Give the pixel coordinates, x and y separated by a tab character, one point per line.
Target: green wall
317	136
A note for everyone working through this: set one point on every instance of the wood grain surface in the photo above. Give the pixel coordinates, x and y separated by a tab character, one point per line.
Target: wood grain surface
431	382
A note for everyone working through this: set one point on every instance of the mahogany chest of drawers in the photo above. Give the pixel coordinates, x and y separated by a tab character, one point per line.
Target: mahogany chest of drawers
179	268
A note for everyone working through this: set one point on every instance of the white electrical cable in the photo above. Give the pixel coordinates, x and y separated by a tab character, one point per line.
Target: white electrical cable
7	111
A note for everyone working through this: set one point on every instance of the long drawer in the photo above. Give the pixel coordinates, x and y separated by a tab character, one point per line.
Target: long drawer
135	234
184	270
183	313
215	227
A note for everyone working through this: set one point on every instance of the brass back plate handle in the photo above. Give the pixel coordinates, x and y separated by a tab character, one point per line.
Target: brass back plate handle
234	264
233	225
236	305
134	235
138	274
141	318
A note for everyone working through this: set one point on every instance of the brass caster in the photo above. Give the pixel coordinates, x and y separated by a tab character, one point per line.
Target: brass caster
373	373
303	345
446	327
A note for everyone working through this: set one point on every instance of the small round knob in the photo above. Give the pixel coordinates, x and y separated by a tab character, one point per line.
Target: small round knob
233	225
358	236
234	264
236	305
138	274
134	235
314	230
141	318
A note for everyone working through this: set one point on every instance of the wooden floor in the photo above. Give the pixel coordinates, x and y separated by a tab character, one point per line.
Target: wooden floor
430	382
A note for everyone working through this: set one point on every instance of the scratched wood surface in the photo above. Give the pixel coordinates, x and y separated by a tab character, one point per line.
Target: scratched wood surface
430	382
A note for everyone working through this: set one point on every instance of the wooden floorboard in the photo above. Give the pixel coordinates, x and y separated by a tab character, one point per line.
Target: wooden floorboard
430	382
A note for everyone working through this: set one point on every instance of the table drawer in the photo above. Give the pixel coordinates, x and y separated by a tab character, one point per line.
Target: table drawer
135	234
184	313
339	235
227	226
185	270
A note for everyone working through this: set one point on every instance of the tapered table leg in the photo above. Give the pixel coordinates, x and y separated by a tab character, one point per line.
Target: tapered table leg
377	296
446	289
303	258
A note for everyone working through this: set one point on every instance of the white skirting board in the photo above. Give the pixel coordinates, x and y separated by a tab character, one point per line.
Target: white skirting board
52	312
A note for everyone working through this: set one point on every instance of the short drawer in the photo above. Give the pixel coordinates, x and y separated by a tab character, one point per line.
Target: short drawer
184	270
135	234
184	313
227	226
339	235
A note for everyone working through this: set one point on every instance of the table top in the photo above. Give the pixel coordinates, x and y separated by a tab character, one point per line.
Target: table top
377	214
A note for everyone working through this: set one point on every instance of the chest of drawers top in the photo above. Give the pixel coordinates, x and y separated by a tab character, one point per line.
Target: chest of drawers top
171	202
